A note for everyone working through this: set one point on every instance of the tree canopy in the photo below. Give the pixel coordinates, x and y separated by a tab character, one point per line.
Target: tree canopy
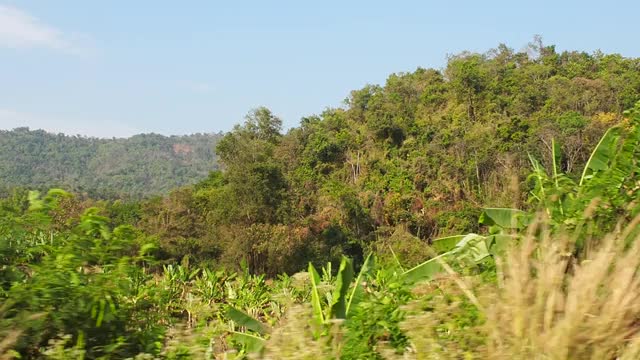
139	166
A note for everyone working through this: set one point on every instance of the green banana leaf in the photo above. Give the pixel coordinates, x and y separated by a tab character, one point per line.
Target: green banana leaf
357	291
556	155
425	271
503	217
498	243
251	343
601	156
316	304
343	281
445	244
245	320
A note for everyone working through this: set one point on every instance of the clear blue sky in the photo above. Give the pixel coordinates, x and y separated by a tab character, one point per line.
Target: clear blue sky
114	68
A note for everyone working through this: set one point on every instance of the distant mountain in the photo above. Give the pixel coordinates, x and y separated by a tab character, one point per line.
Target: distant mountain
138	166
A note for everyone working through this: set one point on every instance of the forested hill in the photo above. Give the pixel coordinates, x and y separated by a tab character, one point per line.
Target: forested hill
376	188
404	162
138	166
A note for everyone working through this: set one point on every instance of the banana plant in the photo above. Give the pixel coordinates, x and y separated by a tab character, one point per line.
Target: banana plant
600	159
252	341
612	163
564	200
500	220
471	248
345	295
337	304
609	180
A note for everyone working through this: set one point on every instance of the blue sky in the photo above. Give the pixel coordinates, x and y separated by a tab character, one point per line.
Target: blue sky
115	68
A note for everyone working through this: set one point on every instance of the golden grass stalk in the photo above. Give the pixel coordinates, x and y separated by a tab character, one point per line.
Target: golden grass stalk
550	308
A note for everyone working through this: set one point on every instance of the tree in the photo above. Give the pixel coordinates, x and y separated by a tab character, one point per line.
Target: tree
468	79
253	176
264	125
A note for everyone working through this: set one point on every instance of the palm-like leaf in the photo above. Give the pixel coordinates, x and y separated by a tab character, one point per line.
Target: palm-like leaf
355	295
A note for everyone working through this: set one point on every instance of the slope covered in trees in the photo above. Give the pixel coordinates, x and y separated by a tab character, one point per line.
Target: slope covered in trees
527	159
399	164
559	280
141	165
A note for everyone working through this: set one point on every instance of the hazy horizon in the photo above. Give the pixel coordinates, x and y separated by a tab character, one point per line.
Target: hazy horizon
55	132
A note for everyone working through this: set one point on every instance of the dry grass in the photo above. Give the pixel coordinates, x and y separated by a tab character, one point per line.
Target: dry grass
294	339
549	308
543	306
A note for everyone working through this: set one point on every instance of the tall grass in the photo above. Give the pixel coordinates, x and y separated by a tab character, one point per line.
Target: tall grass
544	304
549	307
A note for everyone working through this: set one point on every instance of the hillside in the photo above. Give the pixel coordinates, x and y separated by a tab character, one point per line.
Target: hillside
486	211
142	165
399	164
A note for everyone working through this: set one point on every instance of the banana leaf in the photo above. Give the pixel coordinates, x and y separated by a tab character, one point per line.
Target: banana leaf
503	217
245	320
602	155
447	243
355	295
251	343
425	271
343	281
316	304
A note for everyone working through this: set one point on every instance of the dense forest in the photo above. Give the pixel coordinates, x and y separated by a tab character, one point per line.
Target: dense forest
143	165
485	210
409	161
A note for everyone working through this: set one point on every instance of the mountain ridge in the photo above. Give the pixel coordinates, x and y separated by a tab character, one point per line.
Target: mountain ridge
138	166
